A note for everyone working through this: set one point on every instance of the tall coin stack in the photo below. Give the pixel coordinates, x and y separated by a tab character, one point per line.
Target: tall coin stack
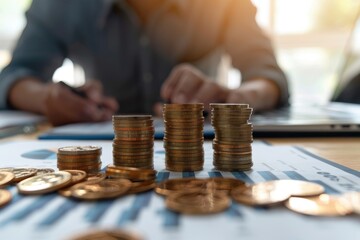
133	145
86	158
183	137
233	136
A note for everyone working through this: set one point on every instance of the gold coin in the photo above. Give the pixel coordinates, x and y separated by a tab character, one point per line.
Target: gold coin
260	194
172	186
228	105
184	168
354	200
44	183
6	177
198	202
138	187
131	117
115	234
323	205
41	171
297	188
23	173
79	150
95	176
5	197
76	175
100	190
186	106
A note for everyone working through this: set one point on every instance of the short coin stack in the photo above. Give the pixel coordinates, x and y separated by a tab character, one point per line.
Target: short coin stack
133	145
183	137
86	158
233	136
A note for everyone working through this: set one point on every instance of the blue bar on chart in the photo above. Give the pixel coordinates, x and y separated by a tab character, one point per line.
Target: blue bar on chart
328	189
188	174
26	211
141	201
214	174
59	213
295	175
98	210
242	176
170	218
162	176
234	211
268	176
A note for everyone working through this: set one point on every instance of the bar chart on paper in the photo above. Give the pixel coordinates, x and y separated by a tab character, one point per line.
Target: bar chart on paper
54	217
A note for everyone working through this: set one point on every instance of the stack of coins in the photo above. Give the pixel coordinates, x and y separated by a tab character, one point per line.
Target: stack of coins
133	144
86	158
233	136
183	137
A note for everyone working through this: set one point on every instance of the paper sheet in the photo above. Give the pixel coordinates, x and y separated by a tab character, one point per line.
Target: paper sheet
54	217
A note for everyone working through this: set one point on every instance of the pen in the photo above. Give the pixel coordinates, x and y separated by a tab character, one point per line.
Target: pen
74	90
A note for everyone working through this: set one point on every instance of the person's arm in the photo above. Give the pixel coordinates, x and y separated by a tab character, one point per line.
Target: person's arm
253	55
25	84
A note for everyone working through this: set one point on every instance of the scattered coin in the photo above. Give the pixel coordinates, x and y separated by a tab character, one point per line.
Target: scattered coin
41	171
76	176
297	188
260	194
23	173
100	190
198	202
6	177
323	205
45	183
5	197
113	234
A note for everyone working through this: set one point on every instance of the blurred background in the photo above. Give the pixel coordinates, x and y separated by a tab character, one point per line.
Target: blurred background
313	39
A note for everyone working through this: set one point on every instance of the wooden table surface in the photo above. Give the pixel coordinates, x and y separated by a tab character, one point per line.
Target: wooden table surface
345	151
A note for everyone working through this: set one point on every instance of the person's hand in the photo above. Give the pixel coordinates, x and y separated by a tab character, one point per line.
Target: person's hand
63	106
186	84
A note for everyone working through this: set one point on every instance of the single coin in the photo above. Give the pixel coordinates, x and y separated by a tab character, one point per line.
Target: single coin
138	187
172	186
5	197
297	188
323	205
95	176
41	171
260	194
76	175
101	190
23	173
45	183
228	105
79	150
6	177
198	202
354	200
113	234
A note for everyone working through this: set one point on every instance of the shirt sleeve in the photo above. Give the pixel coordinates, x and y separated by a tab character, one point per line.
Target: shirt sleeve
38	52
250	49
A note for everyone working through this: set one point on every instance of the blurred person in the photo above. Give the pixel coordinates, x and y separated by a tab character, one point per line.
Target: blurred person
137	54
